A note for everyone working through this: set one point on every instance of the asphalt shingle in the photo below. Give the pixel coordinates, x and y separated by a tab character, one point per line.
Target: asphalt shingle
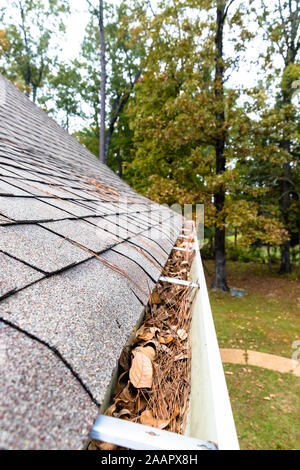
66	313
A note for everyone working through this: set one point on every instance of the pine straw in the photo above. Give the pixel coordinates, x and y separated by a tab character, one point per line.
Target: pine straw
165	329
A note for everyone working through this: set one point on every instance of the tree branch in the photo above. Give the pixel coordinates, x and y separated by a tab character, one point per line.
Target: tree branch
227	9
94	9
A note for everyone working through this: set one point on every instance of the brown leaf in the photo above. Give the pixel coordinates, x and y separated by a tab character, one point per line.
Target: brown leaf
111	410
147	419
141	403
107	446
141	371
125	359
155	298
126	395
94	445
165	339
143	334
148	351
123	412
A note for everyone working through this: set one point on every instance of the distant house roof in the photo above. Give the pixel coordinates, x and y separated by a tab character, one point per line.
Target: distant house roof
80	251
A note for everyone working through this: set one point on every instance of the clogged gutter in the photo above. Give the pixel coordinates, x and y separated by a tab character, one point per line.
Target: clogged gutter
154	382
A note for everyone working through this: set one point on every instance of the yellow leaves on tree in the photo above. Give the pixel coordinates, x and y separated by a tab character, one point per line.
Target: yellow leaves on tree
4	42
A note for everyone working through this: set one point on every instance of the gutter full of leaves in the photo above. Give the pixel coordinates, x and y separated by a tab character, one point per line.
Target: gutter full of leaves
153	386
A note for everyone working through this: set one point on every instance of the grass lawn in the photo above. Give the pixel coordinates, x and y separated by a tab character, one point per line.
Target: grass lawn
266	407
267	319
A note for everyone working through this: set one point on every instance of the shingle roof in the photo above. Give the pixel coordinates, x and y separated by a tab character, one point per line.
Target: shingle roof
79	253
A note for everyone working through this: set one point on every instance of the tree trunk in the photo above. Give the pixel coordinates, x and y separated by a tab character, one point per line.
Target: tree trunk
220	281
269	259
285	267
102	146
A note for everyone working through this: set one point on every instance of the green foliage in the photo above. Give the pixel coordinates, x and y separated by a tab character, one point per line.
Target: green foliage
31	29
63	93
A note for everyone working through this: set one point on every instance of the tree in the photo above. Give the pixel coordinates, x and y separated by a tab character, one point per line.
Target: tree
188	128
99	13
125	55
31	37
281	28
63	94
123	59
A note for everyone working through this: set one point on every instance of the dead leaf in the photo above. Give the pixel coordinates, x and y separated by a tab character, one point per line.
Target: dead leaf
126	395
111	410
123	412
155	298
94	445
144	334
141	404
147	419
154	330
107	446
148	351
141	371
165	339
182	334
125	359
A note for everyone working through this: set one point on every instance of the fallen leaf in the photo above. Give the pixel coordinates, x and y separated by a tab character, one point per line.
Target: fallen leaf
94	445
141	404
123	412
155	298
111	410
182	334
148	351
141	371
126	395
165	339
147	419
107	446
125	359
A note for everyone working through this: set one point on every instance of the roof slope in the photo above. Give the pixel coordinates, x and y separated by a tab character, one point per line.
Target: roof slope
79	253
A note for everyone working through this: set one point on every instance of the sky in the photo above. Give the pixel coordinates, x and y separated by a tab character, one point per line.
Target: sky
247	73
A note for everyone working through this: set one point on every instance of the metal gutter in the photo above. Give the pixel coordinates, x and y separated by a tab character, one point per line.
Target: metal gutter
210	414
210	418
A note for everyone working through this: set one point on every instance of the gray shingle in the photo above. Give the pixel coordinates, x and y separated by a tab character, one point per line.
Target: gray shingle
19	209
84	233
44	407
15	275
87	313
84	308
39	247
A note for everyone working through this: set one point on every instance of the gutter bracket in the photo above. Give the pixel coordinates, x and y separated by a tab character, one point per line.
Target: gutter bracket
179	282
139	437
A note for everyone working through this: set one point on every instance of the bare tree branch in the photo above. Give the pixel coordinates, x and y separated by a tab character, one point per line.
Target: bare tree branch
227	9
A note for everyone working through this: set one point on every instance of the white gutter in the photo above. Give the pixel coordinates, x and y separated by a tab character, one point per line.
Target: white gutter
210	415
210	418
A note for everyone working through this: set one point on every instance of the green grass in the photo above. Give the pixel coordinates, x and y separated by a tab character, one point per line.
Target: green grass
256	322
267	319
266	408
